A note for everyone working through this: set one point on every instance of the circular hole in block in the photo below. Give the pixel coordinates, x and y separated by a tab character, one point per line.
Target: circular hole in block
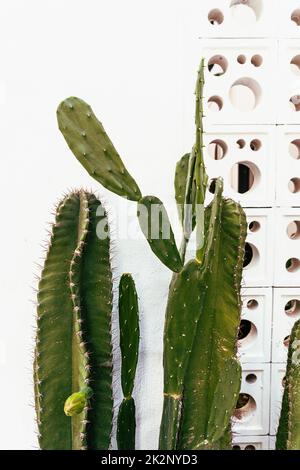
294	149
295	65
212	185
295	16
236	447
293	230
251	378
246	12
242	59
215	17
247	333
244	177
245	94
245	407
251	257
295	102
241	143
257	60
292	265
217	149
215	103
217	65
252	304
292	308
254	226
294	185
283	383
250	447
255	145
286	341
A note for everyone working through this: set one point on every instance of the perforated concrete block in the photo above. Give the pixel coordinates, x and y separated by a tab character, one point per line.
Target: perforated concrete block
288	165
286	311
277	378
289	19
250	443
252	419
288	92
237	88
245	157
287	247
255	332
239	18
258	262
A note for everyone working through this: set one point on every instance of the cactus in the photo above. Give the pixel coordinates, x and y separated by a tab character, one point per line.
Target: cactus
73	355
288	434
90	144
201	334
129	345
156	227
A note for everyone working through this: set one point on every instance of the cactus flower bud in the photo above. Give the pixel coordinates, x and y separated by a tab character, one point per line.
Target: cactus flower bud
75	403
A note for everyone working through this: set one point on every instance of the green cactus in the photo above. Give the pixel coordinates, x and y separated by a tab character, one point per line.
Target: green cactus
156	227
91	145
129	345
288	434
201	334
73	345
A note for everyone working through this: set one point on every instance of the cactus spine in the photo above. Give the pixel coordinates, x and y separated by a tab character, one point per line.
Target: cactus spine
129	345
288	434
73	355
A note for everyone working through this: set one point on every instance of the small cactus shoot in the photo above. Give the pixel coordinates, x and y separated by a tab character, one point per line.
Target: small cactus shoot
129	345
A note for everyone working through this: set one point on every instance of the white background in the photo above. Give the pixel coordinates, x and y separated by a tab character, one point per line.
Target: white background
128	60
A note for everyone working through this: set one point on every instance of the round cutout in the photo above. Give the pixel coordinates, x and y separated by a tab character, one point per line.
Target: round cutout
294	149
286	341
251	378
236	447
292	265
254	226
215	17
245	94
217	65
215	103
257	60
217	149
255	145
241	143
247	333
242	59
245	407
244	177
246	12
292	308
250	447
295	17
251	256
252	304
212	186
294	185
295	102
293	230
295	65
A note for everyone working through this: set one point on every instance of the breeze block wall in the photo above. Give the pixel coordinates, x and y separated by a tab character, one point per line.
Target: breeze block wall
252	109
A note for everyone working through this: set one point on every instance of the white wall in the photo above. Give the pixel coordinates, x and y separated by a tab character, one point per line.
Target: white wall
125	59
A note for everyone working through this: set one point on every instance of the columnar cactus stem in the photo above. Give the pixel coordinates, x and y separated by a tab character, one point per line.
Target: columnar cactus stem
129	345
288	435
73	346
